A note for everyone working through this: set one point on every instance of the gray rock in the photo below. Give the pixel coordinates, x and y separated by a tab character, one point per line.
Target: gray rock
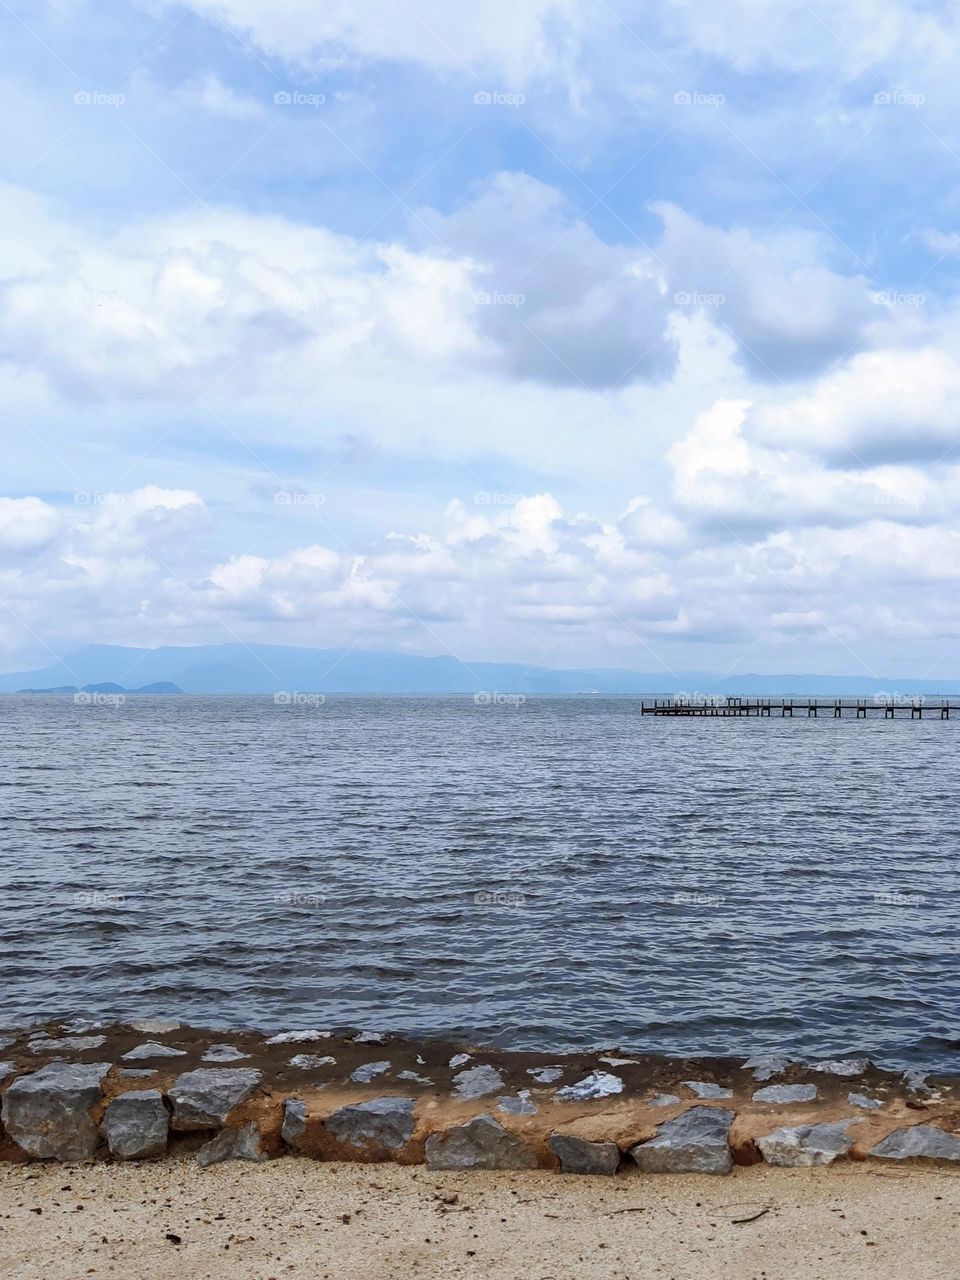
298	1037
664	1100
66	1044
458	1060
412	1076
155	1026
203	1099
861	1100
765	1065
786	1093
370	1037
242	1143
806	1145
6	1069
598	1084
47	1113
579	1156
842	1066
294	1121
481	1143
697	1141
153	1050
6	1042
477	1082
383	1123
135	1124
545	1075
368	1072
137	1073
224	1053
521	1105
704	1089
919	1142
310	1061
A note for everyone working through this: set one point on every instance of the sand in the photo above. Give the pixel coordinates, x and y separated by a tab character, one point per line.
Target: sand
325	1221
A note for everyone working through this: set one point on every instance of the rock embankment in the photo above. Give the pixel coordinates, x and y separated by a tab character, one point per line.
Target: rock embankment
81	1093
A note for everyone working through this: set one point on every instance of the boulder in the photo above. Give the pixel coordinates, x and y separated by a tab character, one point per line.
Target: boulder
576	1155
697	1141
481	1143
545	1075
477	1082
861	1100
294	1121
521	1105
137	1073
786	1093
806	1145
298	1037
311	1061
6	1069
765	1065
919	1142
842	1066
155	1026
224	1053
47	1113
369	1071
704	1089
66	1044
384	1123
153	1050
203	1099
242	1143
135	1124
664	1100
598	1084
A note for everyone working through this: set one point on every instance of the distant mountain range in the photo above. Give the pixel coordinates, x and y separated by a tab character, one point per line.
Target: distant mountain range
269	668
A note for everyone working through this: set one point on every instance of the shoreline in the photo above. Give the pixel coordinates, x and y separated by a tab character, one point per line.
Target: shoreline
155	1088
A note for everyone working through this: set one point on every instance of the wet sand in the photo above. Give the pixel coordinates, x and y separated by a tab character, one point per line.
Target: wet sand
325	1221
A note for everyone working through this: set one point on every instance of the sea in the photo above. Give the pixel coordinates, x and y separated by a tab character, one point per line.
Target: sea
543	873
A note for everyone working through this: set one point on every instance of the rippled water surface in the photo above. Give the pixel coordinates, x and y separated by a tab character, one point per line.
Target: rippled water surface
558	874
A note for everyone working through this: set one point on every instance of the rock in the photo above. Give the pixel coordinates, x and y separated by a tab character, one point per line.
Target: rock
135	1124
137	1073
477	1082
66	1044
703	1089
6	1069
664	1100
806	1145
765	1065
579	1156
294	1121
6	1042
598	1084
363	1075
412	1075
370	1037
383	1123
545	1075
521	1105
920	1142
155	1026
306	1061
786	1093
47	1113
153	1050
481	1143
621	1062
242	1143
298	1037
203	1099
458	1060
842	1066
917	1081
861	1100
697	1141
224	1053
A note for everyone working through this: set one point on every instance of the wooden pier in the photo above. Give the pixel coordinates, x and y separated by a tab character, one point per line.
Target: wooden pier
860	708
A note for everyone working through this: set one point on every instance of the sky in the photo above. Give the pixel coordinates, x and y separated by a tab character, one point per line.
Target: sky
571	332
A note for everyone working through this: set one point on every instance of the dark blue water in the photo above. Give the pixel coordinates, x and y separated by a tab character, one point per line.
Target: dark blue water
556	874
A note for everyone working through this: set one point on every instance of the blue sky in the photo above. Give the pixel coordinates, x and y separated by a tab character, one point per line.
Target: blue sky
564	332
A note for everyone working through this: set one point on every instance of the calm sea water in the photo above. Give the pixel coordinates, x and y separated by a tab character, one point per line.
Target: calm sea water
557	874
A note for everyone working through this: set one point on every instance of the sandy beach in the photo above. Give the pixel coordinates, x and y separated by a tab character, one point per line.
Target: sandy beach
297	1217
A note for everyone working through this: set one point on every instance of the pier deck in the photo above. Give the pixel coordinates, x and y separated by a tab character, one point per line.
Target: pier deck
860	708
